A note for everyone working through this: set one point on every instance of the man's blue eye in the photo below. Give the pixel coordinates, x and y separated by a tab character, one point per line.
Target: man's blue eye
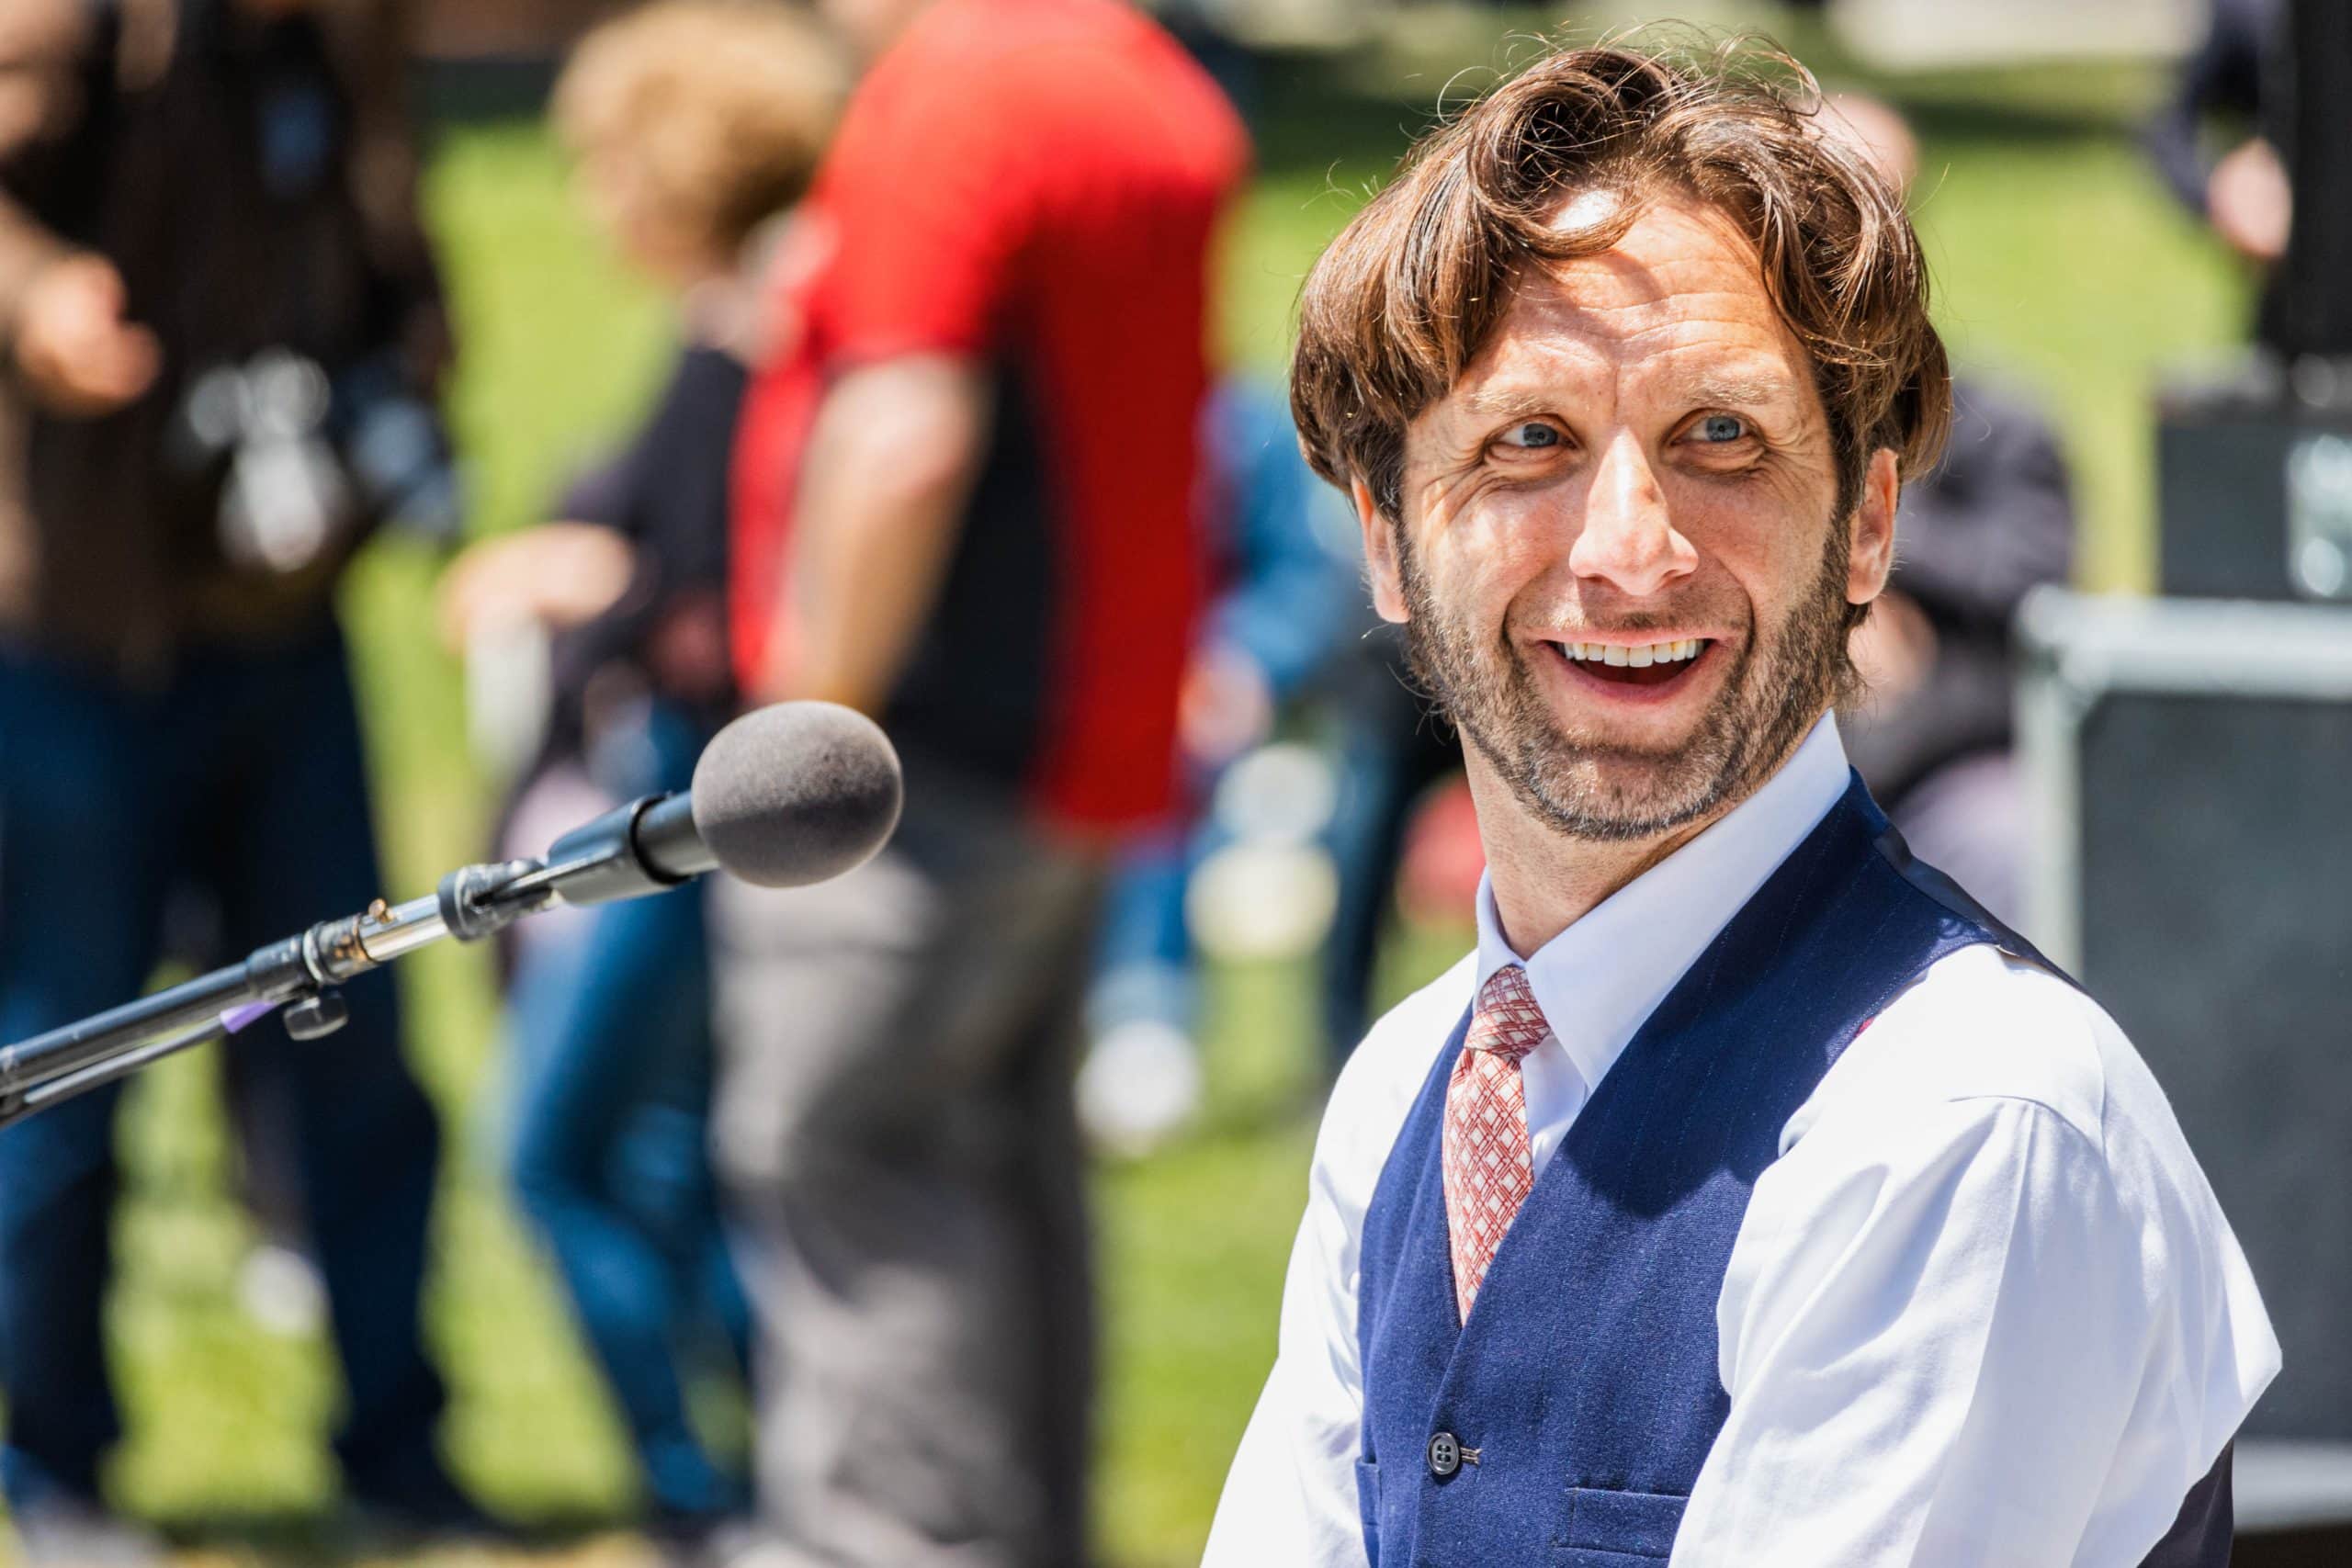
1722	427
1534	433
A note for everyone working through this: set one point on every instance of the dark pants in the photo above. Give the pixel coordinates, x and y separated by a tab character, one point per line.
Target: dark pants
895	1131
609	1023
1391	751
243	777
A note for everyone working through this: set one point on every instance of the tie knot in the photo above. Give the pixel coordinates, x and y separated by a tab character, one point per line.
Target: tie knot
1506	1021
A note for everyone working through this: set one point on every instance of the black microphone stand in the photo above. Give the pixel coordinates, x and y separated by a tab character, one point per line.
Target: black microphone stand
649	845
301	974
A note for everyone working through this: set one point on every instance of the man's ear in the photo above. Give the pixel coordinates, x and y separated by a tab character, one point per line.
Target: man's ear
1379	555
1869	556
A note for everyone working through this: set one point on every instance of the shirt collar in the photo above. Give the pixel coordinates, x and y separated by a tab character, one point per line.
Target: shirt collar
1597	980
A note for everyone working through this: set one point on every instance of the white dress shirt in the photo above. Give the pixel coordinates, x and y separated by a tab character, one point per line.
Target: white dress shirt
1982	1310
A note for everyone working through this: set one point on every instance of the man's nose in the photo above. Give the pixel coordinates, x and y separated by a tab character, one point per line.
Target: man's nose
1628	541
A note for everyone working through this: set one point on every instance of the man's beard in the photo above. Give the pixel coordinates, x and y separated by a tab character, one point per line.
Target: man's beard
1770	698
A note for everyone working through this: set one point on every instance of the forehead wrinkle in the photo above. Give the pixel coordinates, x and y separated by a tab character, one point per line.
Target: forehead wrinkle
1636	325
1725	347
1631	280
1682	286
1756	371
1520	370
1680	259
1740	366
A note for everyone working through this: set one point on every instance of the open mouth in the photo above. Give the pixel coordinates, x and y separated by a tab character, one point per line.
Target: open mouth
1641	665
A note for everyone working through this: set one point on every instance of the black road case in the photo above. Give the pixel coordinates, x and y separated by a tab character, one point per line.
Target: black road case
2189	766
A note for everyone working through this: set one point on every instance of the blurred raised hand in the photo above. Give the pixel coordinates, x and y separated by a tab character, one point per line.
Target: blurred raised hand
2250	202
557	574
79	354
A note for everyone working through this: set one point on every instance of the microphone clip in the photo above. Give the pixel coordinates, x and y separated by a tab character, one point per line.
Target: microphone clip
480	900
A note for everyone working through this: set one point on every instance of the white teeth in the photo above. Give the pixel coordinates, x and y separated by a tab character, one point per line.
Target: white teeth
1635	658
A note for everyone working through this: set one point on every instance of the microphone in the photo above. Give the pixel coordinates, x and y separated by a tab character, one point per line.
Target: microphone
785	797
790	795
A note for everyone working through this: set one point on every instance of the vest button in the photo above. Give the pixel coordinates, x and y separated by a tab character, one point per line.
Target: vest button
1445	1455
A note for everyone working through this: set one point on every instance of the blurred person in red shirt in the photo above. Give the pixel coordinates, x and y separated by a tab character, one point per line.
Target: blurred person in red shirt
964	505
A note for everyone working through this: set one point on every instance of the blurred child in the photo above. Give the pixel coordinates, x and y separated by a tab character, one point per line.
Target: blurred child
697	123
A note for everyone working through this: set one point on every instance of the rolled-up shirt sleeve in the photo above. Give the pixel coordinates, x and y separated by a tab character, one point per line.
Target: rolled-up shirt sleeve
1981	1334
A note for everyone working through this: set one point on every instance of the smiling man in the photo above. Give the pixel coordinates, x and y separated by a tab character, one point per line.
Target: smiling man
1749	1196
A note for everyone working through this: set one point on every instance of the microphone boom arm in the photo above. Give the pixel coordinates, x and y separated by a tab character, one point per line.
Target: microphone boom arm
300	974
785	796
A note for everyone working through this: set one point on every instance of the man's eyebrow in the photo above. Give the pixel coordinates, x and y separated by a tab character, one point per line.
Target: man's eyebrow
1700	391
1505	401
1736	391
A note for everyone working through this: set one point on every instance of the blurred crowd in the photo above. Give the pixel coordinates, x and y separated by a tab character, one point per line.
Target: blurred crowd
938	439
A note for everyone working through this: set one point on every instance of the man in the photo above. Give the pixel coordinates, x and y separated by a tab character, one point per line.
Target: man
1747	1197
189	190
966	502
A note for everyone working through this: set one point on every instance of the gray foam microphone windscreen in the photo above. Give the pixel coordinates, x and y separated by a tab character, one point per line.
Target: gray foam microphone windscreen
796	793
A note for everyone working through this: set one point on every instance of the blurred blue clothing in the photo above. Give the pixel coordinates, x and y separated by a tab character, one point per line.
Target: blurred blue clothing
1144	948
609	1027
243	774
1285	544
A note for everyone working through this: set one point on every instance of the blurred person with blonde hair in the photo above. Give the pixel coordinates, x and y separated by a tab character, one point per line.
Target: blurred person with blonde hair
220	340
697	124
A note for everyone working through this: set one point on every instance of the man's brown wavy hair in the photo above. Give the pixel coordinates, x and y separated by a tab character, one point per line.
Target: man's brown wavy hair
1407	295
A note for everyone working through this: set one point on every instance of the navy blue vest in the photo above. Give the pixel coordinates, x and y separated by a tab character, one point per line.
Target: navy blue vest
1573	1439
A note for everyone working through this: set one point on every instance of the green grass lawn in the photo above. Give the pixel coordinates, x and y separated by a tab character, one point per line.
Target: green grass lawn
2059	265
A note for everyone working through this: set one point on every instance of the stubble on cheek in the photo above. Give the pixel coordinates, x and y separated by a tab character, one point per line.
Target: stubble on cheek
1587	788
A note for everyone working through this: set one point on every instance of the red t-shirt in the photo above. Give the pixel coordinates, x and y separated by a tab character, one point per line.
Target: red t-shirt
1032	183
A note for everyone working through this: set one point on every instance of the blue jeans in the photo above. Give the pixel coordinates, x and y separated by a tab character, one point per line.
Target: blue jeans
1144	961
1386	759
242	776
609	1026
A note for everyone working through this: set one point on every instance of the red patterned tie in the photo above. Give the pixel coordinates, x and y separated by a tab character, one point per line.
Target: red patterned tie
1488	1170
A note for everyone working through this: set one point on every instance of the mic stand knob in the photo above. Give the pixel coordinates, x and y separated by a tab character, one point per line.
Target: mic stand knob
316	1016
